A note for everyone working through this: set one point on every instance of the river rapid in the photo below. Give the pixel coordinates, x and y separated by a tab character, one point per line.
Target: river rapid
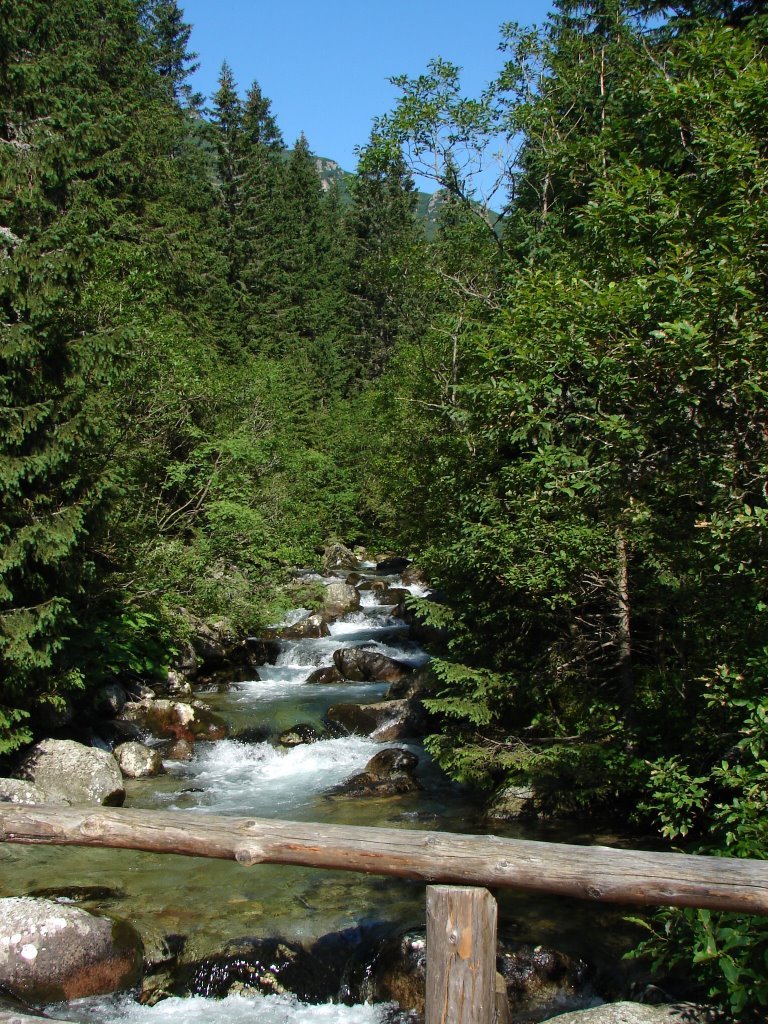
197	907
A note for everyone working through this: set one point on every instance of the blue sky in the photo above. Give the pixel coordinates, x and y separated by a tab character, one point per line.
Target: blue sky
325	66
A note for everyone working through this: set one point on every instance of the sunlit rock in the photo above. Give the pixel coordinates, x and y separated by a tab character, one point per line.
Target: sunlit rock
388	773
384	721
50	952
340	598
18	791
175	719
137	761
368	666
73	772
338	556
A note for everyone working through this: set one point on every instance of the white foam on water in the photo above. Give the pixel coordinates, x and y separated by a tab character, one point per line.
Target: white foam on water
277	682
411	654
360	622
235	1009
257	778
292	617
308	653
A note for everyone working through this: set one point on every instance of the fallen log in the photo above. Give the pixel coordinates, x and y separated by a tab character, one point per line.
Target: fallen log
596	873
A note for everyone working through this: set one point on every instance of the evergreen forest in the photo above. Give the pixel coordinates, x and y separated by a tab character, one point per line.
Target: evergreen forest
213	362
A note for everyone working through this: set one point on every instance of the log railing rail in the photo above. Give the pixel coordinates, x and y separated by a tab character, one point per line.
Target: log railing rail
460	921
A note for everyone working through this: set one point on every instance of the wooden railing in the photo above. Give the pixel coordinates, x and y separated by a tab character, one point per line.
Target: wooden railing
461	922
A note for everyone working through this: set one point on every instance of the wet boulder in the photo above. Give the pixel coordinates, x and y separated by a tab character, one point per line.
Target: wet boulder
377	586
384	721
338	556
50	952
340	598
179	750
18	791
394	971
417	684
360	665
174	719
309	628
396	596
388	773
541	982
72	772
266	966
326	675
137	761
302	733
394	564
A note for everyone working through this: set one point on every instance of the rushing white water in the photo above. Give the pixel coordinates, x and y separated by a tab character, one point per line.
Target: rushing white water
235	1009
256	778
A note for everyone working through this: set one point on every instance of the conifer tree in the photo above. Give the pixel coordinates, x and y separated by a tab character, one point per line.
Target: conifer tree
382	234
226	117
169	36
261	226
75	83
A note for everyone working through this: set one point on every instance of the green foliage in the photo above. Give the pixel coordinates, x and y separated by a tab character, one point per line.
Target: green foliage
724	805
73	78
586	409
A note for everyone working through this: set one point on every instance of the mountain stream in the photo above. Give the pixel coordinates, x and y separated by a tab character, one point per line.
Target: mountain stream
200	906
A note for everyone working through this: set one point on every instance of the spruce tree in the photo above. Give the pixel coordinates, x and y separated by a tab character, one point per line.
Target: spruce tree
261	227
75	85
169	36
382	235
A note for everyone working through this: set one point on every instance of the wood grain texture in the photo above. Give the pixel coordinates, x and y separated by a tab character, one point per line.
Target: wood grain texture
593	873
461	956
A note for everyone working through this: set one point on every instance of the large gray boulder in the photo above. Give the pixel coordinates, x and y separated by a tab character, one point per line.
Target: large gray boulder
385	721
340	598
50	952
637	1013
70	771
361	665
18	791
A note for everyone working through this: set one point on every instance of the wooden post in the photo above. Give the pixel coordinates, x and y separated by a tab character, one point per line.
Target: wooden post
461	956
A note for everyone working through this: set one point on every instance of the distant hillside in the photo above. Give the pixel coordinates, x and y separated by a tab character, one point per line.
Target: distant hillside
427	208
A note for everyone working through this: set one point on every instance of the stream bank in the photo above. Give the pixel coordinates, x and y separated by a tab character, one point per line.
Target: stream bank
292	938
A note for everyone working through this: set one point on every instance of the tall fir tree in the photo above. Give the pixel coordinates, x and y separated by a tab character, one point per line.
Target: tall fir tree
383	234
77	92
169	37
